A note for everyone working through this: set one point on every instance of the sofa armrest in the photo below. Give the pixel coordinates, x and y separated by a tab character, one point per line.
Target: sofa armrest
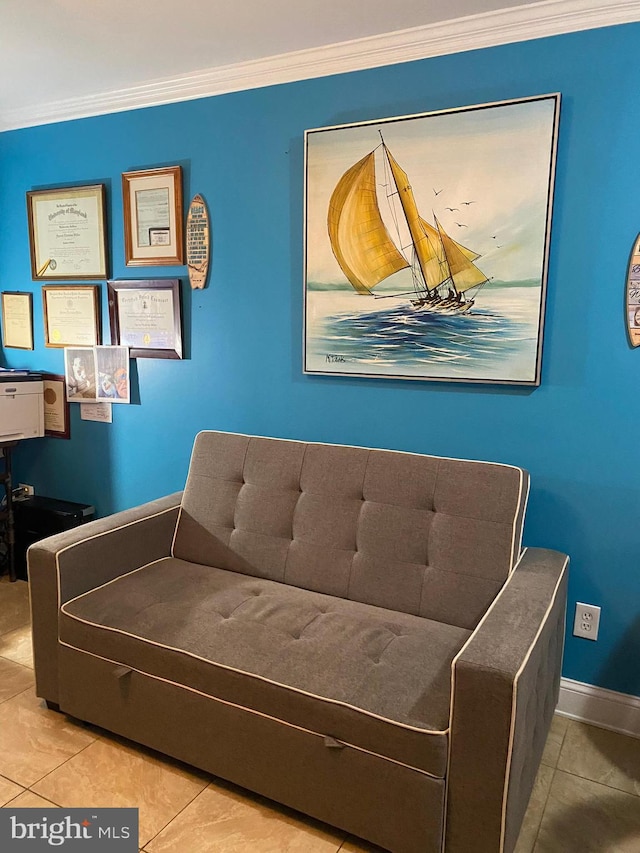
506	682
71	563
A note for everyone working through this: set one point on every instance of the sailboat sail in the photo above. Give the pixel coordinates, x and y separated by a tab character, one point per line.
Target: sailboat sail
464	273
438	271
432	232
359	237
367	254
426	248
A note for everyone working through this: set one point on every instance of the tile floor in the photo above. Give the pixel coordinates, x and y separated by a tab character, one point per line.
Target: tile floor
586	798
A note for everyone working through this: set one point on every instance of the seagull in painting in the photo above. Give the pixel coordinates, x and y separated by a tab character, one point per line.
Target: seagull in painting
461	225
467	202
452	208
437	192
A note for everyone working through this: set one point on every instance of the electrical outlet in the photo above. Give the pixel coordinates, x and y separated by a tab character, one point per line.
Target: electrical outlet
587	621
27	490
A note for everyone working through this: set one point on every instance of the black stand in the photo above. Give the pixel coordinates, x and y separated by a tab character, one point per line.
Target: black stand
7	514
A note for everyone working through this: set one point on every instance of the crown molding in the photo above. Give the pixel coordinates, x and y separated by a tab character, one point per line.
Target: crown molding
516	24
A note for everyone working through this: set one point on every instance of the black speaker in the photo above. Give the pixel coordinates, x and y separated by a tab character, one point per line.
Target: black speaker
37	517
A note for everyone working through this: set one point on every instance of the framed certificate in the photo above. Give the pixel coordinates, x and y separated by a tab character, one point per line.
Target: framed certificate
146	317
71	315
56	406
152	206
17	320
67	233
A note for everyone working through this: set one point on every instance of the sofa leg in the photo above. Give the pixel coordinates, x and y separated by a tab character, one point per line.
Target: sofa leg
52	706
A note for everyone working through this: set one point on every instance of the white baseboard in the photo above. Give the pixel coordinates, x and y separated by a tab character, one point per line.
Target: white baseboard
605	708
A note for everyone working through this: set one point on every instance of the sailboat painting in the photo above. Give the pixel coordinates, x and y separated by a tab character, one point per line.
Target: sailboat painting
427	244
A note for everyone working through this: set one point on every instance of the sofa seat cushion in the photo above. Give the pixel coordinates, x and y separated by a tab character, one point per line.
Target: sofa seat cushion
376	679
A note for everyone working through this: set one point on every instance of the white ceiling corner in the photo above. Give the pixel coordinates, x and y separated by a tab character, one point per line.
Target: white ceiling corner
469	32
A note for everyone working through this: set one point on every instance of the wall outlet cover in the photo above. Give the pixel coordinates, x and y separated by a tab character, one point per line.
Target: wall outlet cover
587	621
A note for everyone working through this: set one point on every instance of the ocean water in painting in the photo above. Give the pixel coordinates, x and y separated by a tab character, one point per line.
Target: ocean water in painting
496	341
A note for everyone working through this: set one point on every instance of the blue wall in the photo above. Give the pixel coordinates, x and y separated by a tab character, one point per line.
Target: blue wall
576	433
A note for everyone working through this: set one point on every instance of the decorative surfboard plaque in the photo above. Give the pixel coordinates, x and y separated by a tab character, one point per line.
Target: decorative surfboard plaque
198	242
633	294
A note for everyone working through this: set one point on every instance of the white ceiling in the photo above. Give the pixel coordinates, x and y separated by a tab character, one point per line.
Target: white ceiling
61	51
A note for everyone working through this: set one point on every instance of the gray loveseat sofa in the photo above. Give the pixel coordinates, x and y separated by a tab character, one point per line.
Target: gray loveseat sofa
354	633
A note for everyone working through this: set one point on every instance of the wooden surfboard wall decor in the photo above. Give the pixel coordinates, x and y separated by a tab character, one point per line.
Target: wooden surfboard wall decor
198	242
633	294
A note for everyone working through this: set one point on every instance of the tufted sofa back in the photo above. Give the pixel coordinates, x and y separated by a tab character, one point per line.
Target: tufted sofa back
418	534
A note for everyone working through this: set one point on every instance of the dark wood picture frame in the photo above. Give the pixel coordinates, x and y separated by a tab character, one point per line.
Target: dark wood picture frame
151	324
169	248
60	202
90	336
57	379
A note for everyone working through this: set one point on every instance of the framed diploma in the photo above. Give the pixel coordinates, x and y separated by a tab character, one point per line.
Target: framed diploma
67	233
146	317
56	406
152	206
71	315
17	320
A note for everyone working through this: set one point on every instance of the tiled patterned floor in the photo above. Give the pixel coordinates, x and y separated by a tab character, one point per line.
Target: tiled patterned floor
586	798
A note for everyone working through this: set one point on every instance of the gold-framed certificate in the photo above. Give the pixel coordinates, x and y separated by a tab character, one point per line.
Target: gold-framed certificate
71	315
67	233
17	320
152	212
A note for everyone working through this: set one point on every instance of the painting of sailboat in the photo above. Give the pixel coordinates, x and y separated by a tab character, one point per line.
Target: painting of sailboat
427	243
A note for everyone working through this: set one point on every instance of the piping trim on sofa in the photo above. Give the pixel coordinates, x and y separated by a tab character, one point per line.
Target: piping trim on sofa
251	711
470	639
518	520
104	533
525	503
103	585
519	516
235	669
514	698
453	685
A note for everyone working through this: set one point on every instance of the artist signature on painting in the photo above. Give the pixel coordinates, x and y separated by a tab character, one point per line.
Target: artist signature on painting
330	358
